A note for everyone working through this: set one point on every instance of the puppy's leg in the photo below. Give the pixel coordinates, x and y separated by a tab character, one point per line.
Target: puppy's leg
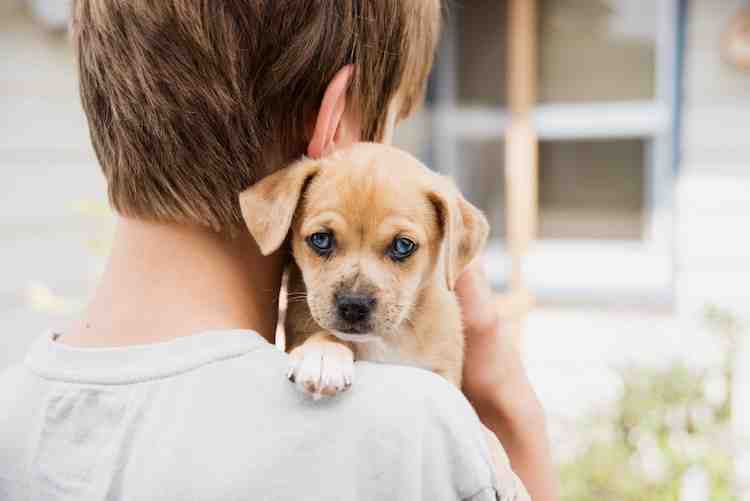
322	365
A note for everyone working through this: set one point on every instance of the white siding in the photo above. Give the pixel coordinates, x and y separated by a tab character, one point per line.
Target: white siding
713	197
46	166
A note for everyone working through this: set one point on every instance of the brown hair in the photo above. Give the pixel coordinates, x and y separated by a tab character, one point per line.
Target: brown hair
191	101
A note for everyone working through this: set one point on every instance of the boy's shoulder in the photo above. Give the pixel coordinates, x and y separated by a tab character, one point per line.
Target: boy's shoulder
13	381
429	414
415	390
382	391
399	417
395	398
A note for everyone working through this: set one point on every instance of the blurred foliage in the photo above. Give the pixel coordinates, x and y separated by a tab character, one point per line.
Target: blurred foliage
665	423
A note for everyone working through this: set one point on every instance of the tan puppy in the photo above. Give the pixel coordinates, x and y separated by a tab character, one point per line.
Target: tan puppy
378	242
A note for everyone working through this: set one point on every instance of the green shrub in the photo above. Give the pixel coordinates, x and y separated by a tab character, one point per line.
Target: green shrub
664	422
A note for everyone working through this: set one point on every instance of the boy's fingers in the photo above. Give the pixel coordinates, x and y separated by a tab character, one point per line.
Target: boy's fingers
477	305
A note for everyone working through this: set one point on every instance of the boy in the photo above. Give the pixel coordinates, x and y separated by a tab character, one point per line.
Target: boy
167	386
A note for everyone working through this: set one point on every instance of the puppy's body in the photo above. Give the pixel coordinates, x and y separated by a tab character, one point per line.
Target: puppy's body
378	241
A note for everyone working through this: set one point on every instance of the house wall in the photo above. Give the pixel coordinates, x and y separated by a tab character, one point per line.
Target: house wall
713	198
713	192
46	168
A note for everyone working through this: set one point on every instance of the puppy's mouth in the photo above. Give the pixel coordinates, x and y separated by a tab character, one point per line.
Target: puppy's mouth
353	332
355	337
353	328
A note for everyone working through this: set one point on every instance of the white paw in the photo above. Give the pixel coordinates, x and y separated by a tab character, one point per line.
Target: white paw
321	368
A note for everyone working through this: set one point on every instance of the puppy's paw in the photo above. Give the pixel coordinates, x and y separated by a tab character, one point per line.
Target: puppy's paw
321	367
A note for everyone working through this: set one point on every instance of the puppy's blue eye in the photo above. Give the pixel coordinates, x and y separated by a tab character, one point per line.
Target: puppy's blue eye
321	242
401	248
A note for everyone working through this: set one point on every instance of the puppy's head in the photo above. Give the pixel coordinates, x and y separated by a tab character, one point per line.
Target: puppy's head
371	229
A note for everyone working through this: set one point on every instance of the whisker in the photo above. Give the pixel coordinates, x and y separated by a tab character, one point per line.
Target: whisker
297	300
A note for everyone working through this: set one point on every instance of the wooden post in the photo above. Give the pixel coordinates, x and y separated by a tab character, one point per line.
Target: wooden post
521	162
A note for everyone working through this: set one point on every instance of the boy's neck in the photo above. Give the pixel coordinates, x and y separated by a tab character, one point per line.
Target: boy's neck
165	281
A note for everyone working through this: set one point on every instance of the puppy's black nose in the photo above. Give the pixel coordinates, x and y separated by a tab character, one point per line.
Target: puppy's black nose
354	308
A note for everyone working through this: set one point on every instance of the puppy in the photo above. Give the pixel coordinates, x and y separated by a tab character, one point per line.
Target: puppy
378	241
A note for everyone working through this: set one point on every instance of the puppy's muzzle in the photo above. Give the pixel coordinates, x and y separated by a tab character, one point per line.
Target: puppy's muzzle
354	311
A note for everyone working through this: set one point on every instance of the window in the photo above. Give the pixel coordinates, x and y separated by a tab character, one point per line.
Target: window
604	120
596	50
591	189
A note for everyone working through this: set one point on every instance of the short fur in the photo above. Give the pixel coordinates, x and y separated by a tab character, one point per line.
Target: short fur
367	196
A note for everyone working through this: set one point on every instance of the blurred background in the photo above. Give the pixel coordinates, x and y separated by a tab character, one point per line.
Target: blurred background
609	143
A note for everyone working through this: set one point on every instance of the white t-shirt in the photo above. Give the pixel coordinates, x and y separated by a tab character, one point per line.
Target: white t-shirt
212	417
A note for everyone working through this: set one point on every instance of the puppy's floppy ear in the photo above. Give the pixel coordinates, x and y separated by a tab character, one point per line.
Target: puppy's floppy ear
268	206
465	231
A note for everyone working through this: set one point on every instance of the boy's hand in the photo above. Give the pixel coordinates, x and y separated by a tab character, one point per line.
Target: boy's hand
494	378
495	382
489	353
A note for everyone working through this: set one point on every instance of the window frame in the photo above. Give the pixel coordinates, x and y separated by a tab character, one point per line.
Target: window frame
651	120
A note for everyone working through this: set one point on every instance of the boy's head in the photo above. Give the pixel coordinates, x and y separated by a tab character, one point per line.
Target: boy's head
191	101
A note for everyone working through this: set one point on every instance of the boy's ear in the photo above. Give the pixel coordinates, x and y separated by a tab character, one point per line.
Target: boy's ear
330	121
268	206
465	231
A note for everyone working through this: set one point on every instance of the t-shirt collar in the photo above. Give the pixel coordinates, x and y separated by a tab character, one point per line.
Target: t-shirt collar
129	364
